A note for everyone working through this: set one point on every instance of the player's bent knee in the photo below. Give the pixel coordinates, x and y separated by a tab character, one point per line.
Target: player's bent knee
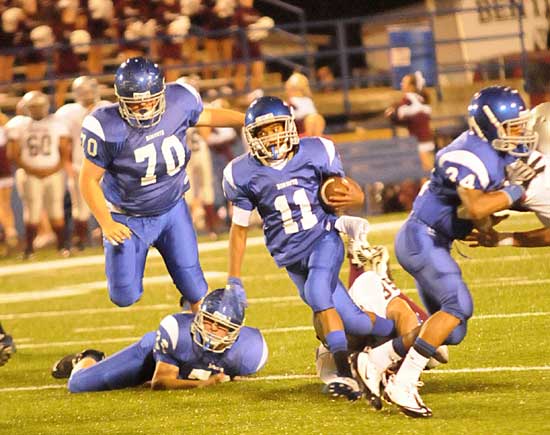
457	334
124	296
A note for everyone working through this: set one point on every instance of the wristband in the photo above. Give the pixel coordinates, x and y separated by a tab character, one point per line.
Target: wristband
514	192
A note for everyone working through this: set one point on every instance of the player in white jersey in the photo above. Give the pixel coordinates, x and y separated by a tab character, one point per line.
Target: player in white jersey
86	94
39	145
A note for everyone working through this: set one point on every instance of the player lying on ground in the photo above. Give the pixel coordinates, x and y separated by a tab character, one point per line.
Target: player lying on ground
187	351
373	293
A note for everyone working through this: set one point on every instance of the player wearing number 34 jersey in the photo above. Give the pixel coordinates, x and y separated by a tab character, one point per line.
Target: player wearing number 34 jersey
133	178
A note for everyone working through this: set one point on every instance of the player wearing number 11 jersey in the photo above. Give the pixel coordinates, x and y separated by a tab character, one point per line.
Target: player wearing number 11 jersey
281	177
133	178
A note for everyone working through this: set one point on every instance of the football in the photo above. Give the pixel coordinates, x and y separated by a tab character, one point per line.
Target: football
327	188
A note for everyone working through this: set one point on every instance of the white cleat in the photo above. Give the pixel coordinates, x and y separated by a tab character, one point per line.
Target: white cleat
369	378
407	398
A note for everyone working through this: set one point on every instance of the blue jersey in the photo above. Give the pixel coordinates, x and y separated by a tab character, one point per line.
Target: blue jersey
469	162
287	197
174	345
144	167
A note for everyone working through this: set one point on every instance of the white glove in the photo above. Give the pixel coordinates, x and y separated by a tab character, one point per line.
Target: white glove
373	258
355	228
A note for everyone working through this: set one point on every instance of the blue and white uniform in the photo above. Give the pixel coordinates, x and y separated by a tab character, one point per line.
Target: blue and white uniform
423	243
144	183
173	344
298	232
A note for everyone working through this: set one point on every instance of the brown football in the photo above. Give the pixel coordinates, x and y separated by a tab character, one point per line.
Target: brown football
327	188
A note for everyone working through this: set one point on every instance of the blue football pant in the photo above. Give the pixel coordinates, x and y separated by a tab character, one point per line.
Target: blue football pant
316	276
172	233
426	256
129	367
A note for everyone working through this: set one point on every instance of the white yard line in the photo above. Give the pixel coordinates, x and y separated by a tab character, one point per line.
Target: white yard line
104	328
298	377
16	269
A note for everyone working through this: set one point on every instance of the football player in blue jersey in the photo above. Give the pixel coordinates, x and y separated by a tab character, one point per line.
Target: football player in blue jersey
280	176
133	178
187	351
467	185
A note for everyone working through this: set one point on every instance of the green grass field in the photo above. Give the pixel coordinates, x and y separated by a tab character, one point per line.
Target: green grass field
497	382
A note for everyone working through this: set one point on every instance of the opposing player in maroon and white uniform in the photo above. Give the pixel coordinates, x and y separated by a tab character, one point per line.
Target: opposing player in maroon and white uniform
87	99
374	292
309	122
414	112
39	144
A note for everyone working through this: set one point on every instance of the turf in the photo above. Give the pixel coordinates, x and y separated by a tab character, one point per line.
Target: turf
498	379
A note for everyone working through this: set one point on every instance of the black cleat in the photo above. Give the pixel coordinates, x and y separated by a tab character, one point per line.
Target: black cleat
344	387
7	348
62	369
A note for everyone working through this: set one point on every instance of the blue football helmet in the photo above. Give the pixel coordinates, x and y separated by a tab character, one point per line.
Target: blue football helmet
225	307
139	87
499	115
274	147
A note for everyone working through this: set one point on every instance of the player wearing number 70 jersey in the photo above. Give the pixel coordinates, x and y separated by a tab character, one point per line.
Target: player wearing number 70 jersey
133	178
281	177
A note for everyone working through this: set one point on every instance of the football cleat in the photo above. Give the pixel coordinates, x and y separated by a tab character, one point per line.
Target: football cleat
368	376
7	348
407	398
344	387
62	369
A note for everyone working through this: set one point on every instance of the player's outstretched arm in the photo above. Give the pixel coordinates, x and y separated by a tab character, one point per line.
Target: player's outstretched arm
90	176
527	239
478	204
166	378
217	117
237	246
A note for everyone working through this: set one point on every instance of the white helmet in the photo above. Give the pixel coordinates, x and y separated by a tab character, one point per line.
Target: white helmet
11	19
179	28
85	90
42	36
36	104
80	41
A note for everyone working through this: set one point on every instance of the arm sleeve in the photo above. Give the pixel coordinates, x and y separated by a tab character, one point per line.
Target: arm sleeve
234	192
96	148
167	341
190	100
330	159
256	356
465	169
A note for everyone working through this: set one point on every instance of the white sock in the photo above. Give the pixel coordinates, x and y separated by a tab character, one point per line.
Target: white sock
411	369
384	355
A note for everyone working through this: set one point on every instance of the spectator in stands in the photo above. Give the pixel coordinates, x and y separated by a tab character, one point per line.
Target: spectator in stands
99	17
40	145
414	112
172	27
247	48
67	62
11	35
134	27
217	20
309	122
194	9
